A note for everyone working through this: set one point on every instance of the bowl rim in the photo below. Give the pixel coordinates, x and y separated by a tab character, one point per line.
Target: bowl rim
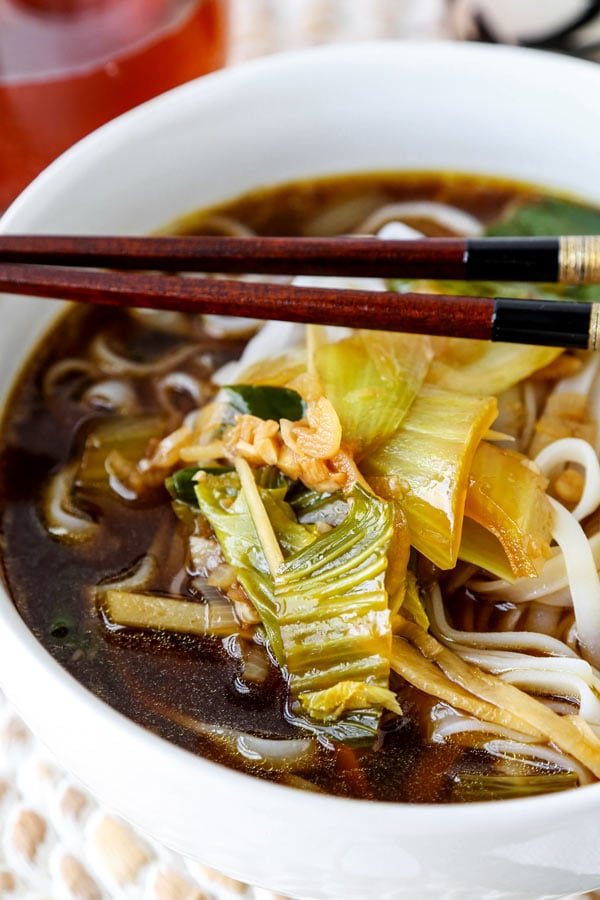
115	131
466	816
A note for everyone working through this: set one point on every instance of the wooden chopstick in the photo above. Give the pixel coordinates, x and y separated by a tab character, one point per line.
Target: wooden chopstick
563	260
541	322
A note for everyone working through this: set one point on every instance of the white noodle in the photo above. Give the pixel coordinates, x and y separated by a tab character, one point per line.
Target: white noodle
179	383
453	722
506	743
574	450
508	640
135	579
449	217
113	395
229	326
562	684
276	753
61	519
226	225
398	231
531	414
582	381
112	363
543	617
65	367
165	320
273	339
510	749
551	586
583	578
277	338
593	406
566	677
501	661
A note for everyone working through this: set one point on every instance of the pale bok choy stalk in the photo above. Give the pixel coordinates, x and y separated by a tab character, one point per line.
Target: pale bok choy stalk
506	497
425	466
132	609
372	378
324	607
482	368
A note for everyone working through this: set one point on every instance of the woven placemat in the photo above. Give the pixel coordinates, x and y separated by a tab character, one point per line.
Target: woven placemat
56	841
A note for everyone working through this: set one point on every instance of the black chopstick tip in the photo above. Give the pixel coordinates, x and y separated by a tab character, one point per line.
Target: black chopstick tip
550	323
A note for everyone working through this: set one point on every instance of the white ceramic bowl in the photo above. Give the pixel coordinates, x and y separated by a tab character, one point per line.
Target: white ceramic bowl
332	110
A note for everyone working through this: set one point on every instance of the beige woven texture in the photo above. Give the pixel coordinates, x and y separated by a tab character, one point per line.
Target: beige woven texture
56	841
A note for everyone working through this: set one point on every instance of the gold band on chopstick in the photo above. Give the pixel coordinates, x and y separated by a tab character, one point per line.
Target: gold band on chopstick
594	330
579	259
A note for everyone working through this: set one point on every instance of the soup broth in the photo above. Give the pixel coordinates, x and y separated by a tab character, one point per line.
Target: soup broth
82	517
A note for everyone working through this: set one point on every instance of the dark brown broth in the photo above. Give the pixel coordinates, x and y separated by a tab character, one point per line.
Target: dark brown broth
144	675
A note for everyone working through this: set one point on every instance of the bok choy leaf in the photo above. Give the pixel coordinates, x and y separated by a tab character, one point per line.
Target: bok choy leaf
325	610
372	378
548	216
425	466
508	498
265	401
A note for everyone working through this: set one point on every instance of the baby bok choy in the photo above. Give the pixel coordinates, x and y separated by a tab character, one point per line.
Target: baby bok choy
322	601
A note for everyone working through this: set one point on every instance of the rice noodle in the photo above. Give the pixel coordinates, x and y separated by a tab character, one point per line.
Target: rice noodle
64	368
502	742
530	409
449	217
550	587
279	335
582	381
507	745
574	450
566	675
570	733
273	754
542	644
226	225
229	326
455	723
165	320
179	383
341	217
62	519
112	363
583	579
276	753
134	579
508	749
562	684
111	395
398	231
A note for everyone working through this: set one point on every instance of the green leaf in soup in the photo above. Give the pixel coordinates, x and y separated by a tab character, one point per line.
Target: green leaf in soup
266	401
546	217
325	611
476	787
520	289
549	216
181	485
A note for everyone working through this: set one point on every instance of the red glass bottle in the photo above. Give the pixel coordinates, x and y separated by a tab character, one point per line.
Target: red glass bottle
68	66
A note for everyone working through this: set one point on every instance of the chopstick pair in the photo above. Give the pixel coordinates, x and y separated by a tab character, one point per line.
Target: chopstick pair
51	266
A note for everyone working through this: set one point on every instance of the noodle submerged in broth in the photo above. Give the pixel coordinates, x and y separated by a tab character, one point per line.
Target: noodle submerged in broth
355	562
